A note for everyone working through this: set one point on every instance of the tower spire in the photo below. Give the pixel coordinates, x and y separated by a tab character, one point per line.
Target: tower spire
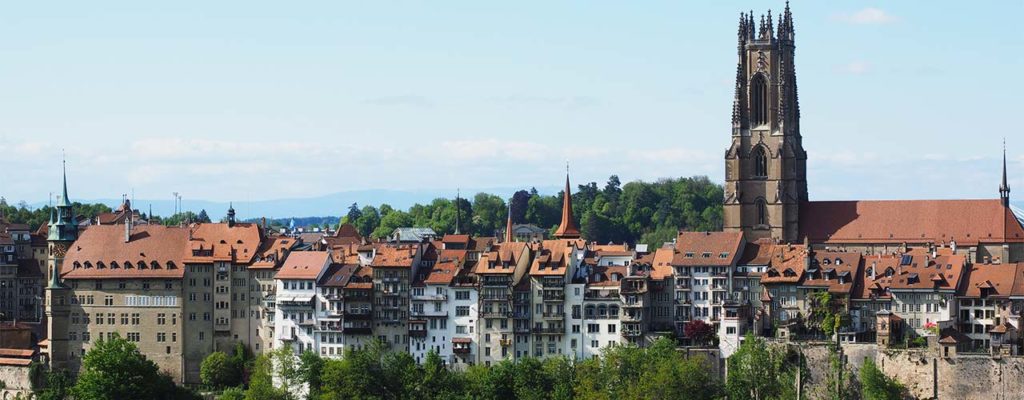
567	229
64	176
458	209
1004	187
508	224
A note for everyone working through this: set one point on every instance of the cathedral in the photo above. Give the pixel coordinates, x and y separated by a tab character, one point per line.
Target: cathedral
766	174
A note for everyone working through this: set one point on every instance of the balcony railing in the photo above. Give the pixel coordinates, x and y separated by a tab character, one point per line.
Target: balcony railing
554	296
549	331
632	318
428	313
599	296
361	330
418	333
553	315
430	297
496	314
496	297
631	333
635	304
358	315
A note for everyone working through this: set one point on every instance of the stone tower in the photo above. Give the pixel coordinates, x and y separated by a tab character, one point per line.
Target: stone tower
61	233
765	165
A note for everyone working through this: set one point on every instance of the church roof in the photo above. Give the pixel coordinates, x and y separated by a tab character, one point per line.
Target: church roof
968	222
567	229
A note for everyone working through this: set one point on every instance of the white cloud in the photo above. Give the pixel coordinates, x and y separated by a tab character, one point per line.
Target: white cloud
855	67
867	16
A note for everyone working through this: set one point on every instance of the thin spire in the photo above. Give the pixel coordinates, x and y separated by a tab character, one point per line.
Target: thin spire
1004	187
567	229
64	202
508	223
458	209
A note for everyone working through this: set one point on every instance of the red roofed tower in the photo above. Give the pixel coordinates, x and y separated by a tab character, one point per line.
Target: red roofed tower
509	237
567	229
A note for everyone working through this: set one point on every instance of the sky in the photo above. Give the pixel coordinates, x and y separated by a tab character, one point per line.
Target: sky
258	100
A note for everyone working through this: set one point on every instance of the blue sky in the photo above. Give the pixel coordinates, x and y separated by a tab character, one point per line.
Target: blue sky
251	100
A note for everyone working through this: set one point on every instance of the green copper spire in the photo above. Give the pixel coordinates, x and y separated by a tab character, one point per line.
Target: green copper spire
64	226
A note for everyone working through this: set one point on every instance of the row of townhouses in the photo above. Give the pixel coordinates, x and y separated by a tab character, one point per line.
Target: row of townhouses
950	270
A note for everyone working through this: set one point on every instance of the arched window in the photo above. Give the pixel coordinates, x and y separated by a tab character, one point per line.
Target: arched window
762	212
760	162
759	100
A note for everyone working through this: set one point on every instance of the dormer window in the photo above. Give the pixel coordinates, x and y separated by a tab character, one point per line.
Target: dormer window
705	255
688	255
723	255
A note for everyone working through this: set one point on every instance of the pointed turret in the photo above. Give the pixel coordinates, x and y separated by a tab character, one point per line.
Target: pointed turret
63	225
458	210
1004	187
509	238
231	214
567	229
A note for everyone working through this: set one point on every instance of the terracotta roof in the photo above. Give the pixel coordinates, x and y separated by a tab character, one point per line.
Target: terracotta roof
919	271
101	253
271	251
838	271
21	353
708	248
219	242
661	264
787	265
501	259
567	229
876	287
15	361
1018	279
482	243
449	238
1002	328
996	279
304	265
910	221
447	267
394	255
609	247
758	252
552	258
952	336
601	275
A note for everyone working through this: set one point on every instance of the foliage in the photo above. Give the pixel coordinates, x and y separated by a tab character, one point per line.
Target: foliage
115	369
826	315
310	369
22	214
698	331
58	386
180	218
235	393
203	216
261	383
218	371
875	385
758	372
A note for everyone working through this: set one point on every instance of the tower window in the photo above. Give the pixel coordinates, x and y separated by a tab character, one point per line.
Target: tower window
762	212
759	100
760	162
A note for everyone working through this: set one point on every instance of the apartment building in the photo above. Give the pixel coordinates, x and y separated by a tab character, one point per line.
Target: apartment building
300	303
331	314
703	263
498	270
393	266
431	327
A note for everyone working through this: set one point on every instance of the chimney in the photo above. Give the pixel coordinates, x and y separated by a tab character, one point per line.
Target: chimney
952	245
128	229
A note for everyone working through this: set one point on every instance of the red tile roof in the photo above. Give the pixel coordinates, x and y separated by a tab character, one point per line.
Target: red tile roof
552	258
501	259
707	248
837	271
910	221
304	265
997	279
394	255
101	253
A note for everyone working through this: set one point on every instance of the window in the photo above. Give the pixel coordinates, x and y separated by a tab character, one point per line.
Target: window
759	100
593	328
760	162
462	295
762	212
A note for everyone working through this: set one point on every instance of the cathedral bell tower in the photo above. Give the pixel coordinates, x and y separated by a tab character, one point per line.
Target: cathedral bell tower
765	165
62	231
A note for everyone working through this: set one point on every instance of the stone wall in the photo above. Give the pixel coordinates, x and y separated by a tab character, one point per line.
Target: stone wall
924	375
16	379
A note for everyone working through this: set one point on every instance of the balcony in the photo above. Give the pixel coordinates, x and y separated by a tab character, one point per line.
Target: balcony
635	304
496	297
683	286
427	313
558	296
631	333
430	297
521	315
391	293
553	283
492	281
505	342
550	331
597	296
358	315
717	287
522	329
461	350
418	333
632	318
496	314
684	301
554	316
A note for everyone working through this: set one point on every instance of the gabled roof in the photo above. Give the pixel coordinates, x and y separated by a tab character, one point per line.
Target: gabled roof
394	255
449	264
501	259
304	265
837	271
708	248
102	253
337	275
947	268
787	264
552	258
968	222
997	280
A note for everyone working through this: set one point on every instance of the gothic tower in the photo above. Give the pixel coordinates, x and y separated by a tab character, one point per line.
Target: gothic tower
61	233
765	165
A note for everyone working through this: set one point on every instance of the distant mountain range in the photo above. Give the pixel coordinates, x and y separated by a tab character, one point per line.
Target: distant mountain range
330	204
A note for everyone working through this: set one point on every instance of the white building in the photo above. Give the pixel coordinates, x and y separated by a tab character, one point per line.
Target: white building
297	301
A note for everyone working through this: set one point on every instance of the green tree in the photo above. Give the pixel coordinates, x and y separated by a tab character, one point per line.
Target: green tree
875	385
261	383
217	371
115	369
235	393
58	386
368	220
391	221
757	372
489	214
310	370
203	216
